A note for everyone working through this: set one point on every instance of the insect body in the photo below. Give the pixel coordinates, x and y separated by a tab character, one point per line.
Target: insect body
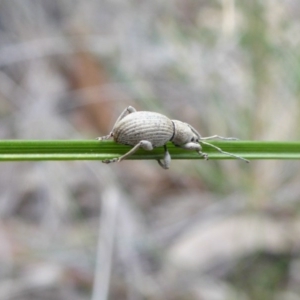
143	125
148	130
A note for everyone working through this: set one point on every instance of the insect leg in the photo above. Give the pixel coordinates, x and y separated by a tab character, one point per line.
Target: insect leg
146	145
126	111
165	163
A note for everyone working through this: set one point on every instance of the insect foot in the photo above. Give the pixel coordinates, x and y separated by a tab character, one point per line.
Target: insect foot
148	130
204	155
108	161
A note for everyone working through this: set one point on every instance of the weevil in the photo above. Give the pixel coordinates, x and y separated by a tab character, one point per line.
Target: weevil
148	130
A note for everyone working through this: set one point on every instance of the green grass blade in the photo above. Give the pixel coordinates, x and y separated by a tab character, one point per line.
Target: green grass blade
26	150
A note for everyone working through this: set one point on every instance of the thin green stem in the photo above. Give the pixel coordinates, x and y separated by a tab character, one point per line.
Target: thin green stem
26	150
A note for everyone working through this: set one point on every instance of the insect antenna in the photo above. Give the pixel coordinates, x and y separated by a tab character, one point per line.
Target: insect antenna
224	152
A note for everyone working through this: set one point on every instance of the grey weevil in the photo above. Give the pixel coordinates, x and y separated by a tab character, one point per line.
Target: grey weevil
148	130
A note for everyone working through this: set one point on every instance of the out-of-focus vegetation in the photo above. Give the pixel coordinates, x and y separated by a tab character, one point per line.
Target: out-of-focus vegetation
202	230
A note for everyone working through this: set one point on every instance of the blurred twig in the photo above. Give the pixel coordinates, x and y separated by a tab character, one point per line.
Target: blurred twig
107	226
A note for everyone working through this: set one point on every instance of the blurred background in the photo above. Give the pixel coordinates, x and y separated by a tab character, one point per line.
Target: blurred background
201	230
